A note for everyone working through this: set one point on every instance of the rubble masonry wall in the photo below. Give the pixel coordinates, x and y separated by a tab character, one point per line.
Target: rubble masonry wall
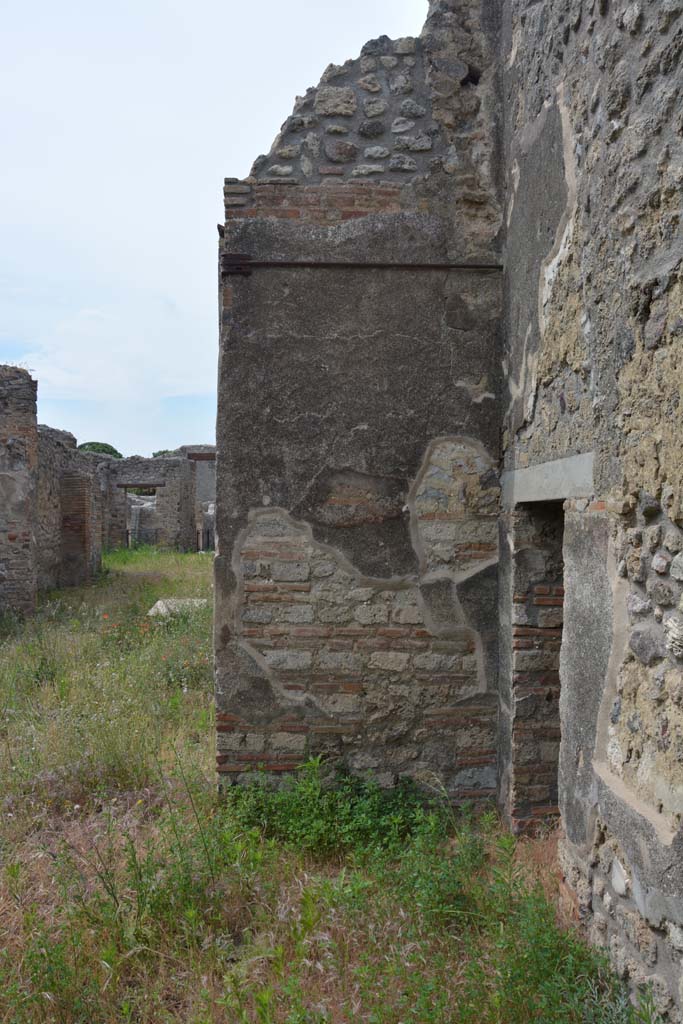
594	349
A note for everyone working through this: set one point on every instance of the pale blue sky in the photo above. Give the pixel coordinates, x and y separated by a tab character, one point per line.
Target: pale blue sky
119	123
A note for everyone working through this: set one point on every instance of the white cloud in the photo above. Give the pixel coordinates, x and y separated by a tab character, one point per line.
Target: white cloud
119	124
139	352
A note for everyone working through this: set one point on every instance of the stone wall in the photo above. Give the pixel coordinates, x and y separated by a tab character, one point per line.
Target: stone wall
358	424
358	496
18	465
594	317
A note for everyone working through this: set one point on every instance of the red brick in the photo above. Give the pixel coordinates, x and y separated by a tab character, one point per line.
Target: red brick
538	631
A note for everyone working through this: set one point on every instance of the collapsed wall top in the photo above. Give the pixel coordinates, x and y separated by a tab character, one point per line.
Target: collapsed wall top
409	124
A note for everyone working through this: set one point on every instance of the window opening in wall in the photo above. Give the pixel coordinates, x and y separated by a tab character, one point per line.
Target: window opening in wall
537	619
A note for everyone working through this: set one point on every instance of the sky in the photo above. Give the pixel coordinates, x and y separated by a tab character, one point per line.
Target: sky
119	123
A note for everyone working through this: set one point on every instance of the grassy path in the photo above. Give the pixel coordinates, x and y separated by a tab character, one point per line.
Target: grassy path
130	892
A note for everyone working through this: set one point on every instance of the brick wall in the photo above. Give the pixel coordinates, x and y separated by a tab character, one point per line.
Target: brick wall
69	514
531	610
322	204
364	671
536	685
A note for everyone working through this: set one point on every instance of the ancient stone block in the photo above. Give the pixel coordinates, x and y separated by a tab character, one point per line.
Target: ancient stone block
335	100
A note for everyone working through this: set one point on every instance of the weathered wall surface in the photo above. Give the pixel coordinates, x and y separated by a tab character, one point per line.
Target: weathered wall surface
594	350
174	480
18	466
357	496
70	499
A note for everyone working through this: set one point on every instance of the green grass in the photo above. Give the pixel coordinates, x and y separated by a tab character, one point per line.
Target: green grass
93	691
129	891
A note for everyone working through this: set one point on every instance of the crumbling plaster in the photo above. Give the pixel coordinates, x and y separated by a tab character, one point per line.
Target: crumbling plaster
357	539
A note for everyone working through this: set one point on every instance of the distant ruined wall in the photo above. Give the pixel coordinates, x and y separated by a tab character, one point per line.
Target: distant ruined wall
59	506
175	499
143	522
70	506
359	421
18	467
594	361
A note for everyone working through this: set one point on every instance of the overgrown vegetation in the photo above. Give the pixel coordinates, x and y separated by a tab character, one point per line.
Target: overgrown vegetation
131	892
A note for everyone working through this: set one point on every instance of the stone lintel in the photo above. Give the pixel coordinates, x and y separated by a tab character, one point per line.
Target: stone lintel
549	481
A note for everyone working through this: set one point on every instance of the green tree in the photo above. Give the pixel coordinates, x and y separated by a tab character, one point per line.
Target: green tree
101	447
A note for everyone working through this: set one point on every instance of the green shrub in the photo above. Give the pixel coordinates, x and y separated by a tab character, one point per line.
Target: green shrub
329	814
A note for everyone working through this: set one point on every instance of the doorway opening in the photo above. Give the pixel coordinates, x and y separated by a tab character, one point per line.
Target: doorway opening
143	520
537	620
